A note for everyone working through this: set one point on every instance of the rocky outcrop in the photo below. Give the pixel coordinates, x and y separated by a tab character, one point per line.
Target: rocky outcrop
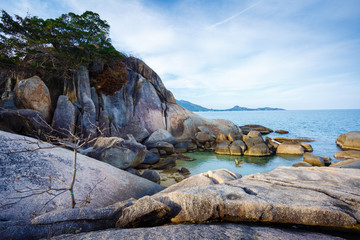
140	107
349	141
29	180
282	131
118	152
32	93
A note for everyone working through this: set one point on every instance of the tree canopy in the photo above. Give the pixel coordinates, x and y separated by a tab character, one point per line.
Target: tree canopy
61	43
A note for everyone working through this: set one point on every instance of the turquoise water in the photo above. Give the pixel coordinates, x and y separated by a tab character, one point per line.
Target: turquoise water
324	126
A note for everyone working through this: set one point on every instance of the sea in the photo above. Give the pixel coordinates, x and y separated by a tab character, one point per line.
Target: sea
323	126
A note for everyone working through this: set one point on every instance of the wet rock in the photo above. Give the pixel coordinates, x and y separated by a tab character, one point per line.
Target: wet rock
223	148
307	147
349	141
151	158
181	147
253	127
237	148
290	148
151	175
315	160
255	145
300	140
281	131
165	163
32	93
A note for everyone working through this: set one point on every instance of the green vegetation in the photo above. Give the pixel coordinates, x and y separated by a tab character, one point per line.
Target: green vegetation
63	43
61	46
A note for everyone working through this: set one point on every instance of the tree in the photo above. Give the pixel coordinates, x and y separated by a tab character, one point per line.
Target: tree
61	44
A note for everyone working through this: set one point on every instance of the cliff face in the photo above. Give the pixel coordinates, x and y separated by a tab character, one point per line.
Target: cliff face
142	103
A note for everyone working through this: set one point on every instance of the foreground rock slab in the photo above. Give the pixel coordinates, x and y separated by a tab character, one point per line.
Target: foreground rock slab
25	180
327	197
201	231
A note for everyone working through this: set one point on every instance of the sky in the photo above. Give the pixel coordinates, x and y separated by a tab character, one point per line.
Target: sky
292	54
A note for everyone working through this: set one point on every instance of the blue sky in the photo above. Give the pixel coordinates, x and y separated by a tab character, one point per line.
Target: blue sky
294	54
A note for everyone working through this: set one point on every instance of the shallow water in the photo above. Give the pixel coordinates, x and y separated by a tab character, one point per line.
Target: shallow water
324	126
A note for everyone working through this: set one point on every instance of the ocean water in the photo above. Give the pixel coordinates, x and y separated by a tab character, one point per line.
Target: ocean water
324	126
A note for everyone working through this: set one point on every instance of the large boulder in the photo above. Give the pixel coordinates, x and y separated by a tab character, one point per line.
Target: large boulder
223	148
237	148
160	135
29	179
64	119
349	141
32	93
290	148
255	145
315	160
285	195
118	152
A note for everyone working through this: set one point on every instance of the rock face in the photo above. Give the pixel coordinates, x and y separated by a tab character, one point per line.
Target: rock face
349	163
32	93
349	141
64	119
25	178
140	107
284	195
118	152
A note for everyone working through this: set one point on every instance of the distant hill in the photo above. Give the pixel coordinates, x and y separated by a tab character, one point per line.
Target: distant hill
192	107
197	108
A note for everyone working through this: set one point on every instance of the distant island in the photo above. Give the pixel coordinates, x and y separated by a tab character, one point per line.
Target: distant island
197	108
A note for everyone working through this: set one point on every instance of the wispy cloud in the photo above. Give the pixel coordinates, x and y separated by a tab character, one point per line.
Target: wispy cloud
233	16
